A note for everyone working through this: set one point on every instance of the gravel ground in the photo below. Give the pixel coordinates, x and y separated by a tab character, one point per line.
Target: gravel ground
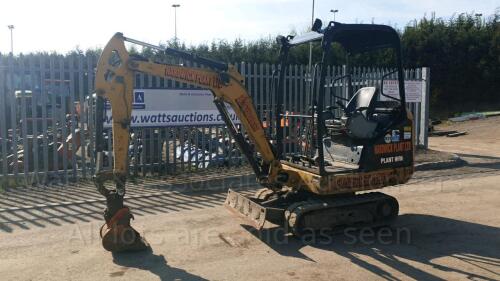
449	229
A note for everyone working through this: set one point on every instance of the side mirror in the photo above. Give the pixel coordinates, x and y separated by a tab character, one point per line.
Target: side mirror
317	25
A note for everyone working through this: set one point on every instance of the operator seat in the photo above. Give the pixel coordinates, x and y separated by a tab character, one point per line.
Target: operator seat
357	114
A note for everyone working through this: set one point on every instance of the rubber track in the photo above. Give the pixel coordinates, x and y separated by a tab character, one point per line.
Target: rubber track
297	211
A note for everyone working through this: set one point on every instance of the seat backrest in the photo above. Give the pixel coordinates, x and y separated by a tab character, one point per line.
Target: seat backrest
358	124
362	98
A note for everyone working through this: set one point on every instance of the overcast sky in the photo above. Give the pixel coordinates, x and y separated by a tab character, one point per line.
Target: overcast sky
61	25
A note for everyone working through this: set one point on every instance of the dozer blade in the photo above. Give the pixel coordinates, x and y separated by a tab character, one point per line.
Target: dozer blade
246	208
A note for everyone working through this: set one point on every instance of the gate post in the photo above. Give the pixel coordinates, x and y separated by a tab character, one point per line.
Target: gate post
424	109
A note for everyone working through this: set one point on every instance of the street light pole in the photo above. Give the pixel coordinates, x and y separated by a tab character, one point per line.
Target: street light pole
11	27
478	18
310	43
334	12
175	6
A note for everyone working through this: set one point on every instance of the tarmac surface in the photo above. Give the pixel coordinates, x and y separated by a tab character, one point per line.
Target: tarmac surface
448	229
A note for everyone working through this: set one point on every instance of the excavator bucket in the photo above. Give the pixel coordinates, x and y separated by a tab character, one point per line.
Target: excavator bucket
246	208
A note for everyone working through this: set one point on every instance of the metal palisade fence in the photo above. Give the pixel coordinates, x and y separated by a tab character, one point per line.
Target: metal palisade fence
47	125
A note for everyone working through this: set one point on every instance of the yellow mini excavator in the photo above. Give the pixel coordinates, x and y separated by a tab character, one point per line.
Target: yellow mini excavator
369	145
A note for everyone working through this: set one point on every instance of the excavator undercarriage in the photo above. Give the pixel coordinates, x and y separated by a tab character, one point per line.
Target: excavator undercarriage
300	213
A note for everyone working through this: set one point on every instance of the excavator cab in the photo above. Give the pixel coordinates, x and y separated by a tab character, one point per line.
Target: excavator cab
351	131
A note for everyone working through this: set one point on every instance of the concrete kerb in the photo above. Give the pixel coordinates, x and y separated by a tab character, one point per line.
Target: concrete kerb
454	162
245	181
241	181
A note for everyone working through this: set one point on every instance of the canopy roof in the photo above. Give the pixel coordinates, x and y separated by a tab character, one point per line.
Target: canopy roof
353	37
362	37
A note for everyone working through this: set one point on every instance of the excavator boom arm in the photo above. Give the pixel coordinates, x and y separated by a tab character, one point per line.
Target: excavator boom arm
114	81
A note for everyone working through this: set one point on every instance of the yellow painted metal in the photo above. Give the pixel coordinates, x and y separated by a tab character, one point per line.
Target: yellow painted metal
114	81
345	182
